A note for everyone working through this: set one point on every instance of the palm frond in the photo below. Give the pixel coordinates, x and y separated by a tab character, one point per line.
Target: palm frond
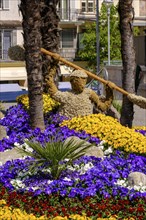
54	153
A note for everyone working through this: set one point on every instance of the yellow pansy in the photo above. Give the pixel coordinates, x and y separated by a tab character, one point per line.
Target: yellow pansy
48	103
110	130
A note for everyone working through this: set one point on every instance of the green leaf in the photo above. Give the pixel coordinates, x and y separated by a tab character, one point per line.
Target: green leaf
54	153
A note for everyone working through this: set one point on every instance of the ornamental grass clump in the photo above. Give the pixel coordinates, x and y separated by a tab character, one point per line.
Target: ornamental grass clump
55	156
110	130
49	104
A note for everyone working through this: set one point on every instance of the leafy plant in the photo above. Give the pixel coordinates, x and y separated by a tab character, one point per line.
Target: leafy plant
16	53
117	106
88	40
56	155
88	52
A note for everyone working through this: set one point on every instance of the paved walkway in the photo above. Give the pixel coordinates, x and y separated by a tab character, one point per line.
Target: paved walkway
140	114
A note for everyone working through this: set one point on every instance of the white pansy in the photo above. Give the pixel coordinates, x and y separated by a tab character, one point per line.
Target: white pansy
16	144
124	183
24	146
47	170
71	168
27	148
76	166
49	181
17	183
34	188
21	174
108	151
77	179
101	145
67	179
66	159
84	168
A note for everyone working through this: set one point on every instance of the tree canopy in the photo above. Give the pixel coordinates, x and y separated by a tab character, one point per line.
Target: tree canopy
88	52
89	38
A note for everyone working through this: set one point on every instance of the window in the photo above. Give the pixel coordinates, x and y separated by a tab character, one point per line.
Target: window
88	5
83	6
64	10
4	4
142	7
5	43
67	38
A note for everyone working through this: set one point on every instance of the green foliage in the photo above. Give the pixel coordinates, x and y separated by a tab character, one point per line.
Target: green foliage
117	105
89	38
16	53
136	31
53	155
88	52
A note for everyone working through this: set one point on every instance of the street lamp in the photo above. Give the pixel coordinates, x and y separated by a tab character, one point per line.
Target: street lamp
97	37
108	4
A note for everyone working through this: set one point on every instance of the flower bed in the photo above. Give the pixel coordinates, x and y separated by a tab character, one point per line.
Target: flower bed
109	130
92	186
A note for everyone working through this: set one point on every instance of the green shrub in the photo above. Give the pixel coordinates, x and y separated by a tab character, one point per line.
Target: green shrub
16	53
117	105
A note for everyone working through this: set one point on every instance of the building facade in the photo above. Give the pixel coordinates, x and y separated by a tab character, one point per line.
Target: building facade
73	16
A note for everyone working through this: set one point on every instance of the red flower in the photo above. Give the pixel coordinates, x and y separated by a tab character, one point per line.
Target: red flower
131	210
102	207
140	209
55	214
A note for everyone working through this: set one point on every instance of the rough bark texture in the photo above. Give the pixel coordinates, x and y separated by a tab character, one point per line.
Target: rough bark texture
32	43
128	56
50	36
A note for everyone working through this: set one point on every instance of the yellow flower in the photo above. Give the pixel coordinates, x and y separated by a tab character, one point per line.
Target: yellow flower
48	103
110	130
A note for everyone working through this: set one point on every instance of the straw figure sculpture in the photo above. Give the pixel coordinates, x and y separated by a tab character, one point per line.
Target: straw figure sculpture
80	100
137	100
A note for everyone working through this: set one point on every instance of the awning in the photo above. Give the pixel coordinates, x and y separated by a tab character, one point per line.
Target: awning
12	73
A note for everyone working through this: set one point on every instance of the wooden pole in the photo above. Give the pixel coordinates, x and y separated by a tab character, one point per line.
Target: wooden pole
68	63
138	100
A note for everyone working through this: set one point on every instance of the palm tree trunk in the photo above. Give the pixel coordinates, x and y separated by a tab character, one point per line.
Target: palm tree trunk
32	43
50	36
128	57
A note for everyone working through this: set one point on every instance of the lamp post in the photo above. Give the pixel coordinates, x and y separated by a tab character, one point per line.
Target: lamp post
108	4
97	37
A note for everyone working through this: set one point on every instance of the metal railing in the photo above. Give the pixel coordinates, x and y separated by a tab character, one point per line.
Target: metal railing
74	14
96	85
113	62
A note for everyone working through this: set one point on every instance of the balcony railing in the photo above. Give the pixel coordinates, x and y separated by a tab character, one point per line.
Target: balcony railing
75	15
67	15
